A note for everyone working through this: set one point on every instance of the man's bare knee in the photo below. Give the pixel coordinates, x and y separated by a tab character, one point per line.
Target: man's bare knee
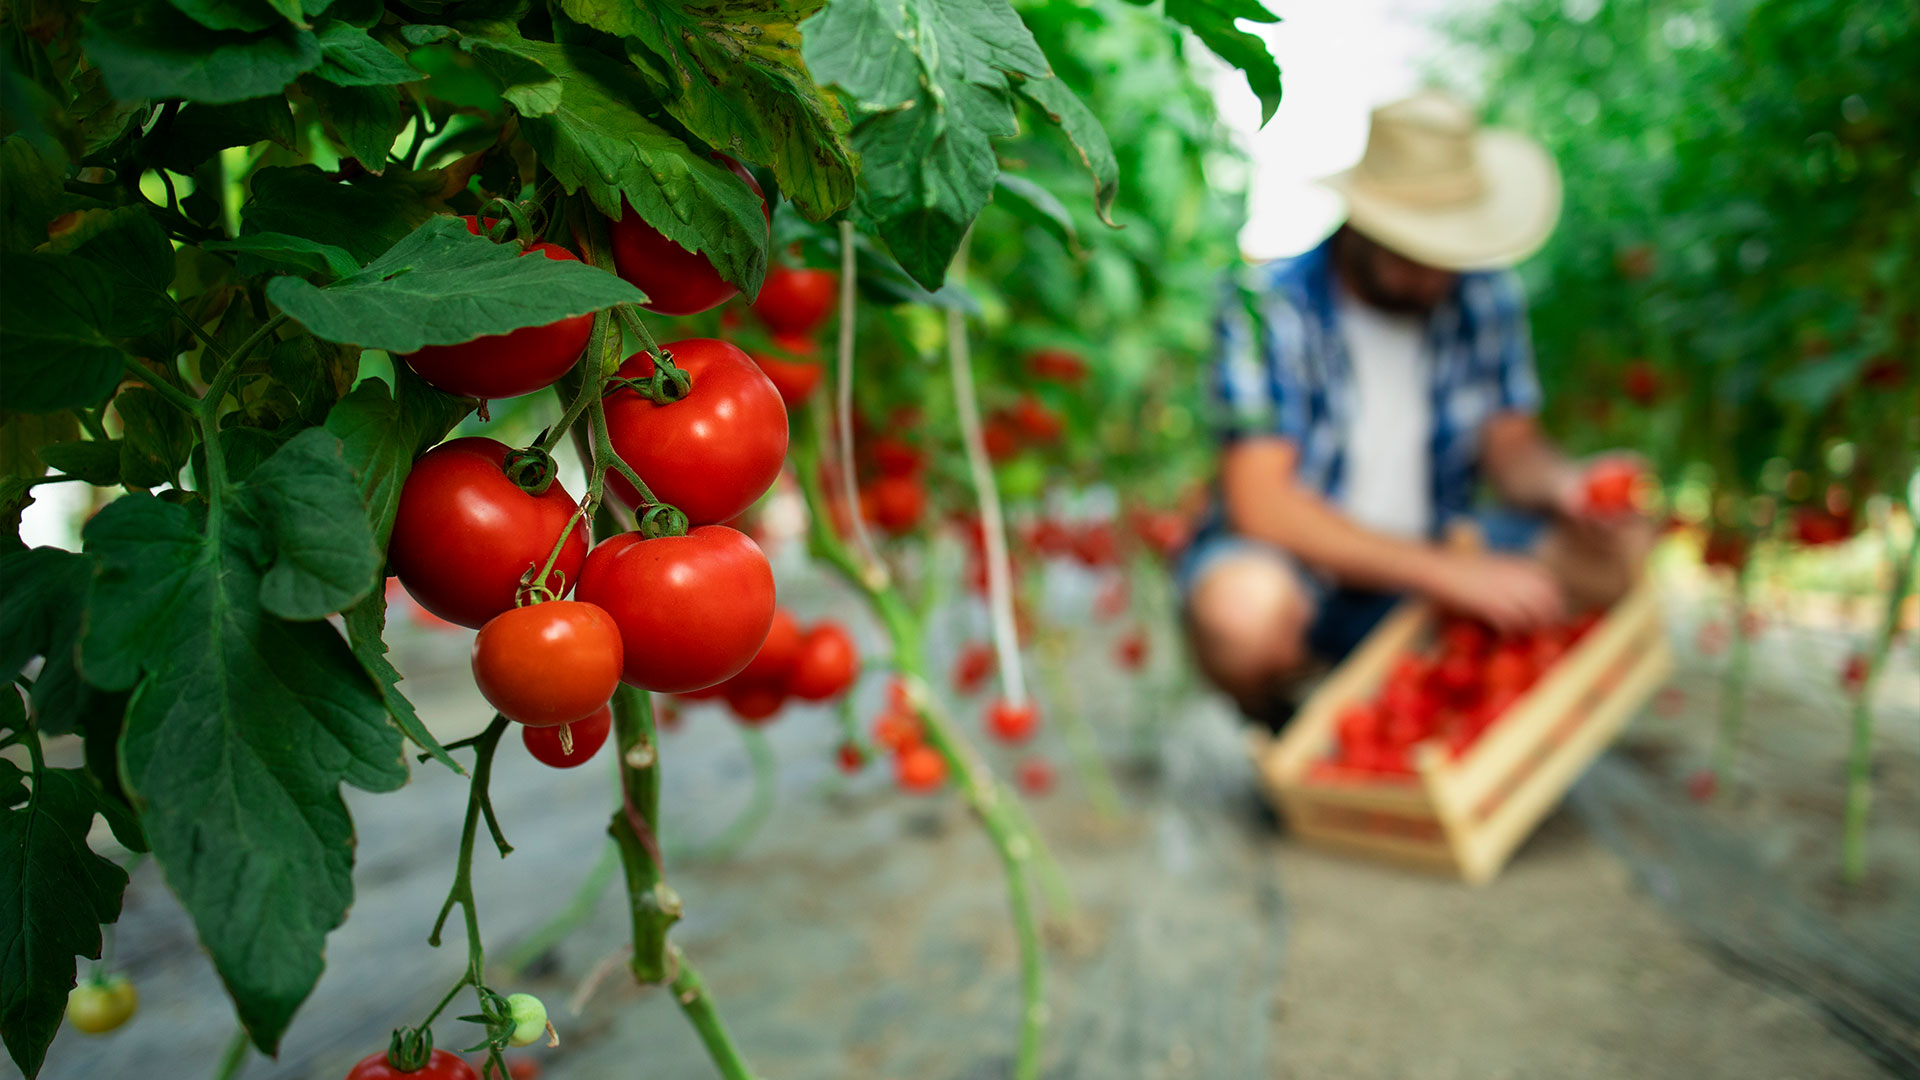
1248	618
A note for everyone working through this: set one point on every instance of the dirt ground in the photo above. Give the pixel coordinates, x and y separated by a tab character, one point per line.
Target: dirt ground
863	934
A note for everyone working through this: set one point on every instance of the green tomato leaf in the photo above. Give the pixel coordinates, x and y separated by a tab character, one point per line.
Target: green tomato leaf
364	120
316	373
1212	21
150	50
522	82
55	893
15	497
364	217
133	252
366	623
349	56
24	435
245	724
1036	205
97	463
929	86
201	131
738	82
598	141
54	350
30	195
46	593
442	285
1089	139
383	437
236	14
293	254
156	441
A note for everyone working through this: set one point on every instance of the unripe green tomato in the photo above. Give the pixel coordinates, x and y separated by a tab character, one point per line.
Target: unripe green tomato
529	1019
1023	478
97	1006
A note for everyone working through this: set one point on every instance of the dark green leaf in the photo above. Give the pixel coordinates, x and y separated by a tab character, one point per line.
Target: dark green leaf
1036	205
23	435
232	14
54	349
305	501
366	623
46	590
200	131
365	217
442	285
55	893
101	119
598	141
383	437
317	373
29	111
1089	139
95	462
150	50
30	195
295	254
364	120
352	57
132	250
245	724
1212	21
157	439
929	85
522	82
15	497
739	83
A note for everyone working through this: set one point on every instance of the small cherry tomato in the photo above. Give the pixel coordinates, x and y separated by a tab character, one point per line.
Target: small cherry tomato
1853	675
827	663
796	301
676	281
548	746
529	1019
550	663
1131	652
792	367
1011	723
1609	487
692	610
898	732
1036	422
464	534
1057	365
852	760
895	456
99	1005
920	769
1035	776
972	667
754	703
441	1065
507	365
1641	382
898	503
711	453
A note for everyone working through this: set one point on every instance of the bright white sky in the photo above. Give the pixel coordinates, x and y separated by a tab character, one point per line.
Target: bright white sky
1338	59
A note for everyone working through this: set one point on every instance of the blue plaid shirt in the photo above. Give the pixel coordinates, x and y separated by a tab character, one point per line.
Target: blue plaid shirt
1292	377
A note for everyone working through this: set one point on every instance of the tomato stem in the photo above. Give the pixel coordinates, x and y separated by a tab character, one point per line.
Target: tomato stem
478	804
179	398
635	828
691	994
234	1057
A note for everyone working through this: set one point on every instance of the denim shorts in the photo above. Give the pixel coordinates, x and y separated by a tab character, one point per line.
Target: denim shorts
1343	616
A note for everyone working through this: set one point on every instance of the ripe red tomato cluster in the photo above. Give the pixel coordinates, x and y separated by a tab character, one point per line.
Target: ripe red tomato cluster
1452	692
1012	723
892	475
792	304
816	663
1028	422
1818	526
918	768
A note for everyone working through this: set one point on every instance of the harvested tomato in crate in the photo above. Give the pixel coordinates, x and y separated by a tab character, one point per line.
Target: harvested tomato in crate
1440	744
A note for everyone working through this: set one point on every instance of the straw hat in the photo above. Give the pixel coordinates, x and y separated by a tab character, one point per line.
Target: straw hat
1438	189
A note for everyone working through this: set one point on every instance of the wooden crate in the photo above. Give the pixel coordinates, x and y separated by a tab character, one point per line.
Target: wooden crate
1466	816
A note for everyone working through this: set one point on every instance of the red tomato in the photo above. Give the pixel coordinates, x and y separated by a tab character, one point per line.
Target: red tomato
1816	526
852	760
897	731
755	702
795	376
1853	675
1508	669
507	365
1465	637
1001	438
676	281
796	301
1458	675
1012	724
827	663
1702	785
548	664
894	456
1641	382
1035	421
1609	486
1096	545
1059	365
920	769
441	1065
464	533
588	736
713	452
972	666
1359	723
1725	547
1035	776
777	653
1132	650
692	610
898	503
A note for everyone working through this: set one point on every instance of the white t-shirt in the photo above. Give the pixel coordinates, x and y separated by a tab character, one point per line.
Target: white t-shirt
1389	471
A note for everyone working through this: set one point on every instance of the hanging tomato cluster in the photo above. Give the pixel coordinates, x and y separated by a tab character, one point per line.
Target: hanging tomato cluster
1452	692
815	664
918	768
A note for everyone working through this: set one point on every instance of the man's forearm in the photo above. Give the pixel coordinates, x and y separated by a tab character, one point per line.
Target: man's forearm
1303	524
1523	465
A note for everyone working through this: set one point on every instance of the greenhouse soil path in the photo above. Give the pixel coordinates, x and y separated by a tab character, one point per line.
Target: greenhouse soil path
863	934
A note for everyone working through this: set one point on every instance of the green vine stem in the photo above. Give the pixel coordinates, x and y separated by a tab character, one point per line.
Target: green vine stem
478	804
691	994
234	1059
998	809
179	398
653	907
1853	837
1733	681
759	804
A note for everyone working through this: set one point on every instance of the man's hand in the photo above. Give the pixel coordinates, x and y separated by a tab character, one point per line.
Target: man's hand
1509	593
1599	491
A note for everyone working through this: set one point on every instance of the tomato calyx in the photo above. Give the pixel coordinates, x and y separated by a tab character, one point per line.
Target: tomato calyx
668	383
517	228
410	1049
531	469
659	521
